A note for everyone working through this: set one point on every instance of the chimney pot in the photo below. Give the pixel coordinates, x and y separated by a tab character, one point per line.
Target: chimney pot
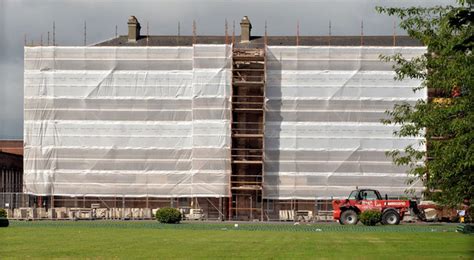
133	29
245	28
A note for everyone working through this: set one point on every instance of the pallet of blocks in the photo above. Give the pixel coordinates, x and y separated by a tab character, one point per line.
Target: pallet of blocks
287	215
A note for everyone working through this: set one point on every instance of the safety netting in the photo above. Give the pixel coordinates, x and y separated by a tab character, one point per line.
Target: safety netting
155	121
127	121
323	132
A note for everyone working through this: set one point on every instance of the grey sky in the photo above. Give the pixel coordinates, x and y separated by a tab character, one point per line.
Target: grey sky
33	18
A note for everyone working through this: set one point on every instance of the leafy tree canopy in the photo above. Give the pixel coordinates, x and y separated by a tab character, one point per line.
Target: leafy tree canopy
446	119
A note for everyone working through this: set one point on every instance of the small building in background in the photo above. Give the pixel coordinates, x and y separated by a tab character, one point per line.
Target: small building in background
11	172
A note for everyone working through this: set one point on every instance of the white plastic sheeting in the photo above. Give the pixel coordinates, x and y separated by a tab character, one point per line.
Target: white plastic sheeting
323	135
155	121
127	121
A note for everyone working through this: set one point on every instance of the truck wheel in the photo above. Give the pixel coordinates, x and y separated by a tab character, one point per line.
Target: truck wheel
349	217
390	217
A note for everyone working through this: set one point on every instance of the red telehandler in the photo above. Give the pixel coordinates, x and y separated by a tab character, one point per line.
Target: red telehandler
347	211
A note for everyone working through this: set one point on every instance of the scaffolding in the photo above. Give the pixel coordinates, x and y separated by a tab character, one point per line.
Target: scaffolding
239	129
248	122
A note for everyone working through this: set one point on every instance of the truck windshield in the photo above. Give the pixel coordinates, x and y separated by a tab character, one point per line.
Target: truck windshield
353	195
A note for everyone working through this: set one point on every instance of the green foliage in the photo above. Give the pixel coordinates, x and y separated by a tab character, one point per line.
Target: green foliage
3	213
447	122
3	218
370	217
4	222
168	215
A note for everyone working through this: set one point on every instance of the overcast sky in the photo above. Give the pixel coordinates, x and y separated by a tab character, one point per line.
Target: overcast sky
34	18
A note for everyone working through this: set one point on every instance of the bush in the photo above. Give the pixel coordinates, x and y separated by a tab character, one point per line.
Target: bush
3	213
168	215
4	222
3	218
370	217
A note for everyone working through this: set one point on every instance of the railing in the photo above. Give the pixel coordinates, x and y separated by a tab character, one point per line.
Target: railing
15	200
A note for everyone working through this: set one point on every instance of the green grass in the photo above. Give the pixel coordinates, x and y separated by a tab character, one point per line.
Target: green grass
125	240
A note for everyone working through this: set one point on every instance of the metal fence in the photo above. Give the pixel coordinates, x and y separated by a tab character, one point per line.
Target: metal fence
13	200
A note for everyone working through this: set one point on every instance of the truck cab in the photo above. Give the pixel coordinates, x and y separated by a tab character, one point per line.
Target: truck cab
364	194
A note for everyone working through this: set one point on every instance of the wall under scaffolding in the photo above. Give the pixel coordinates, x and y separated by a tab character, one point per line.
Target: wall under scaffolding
25	206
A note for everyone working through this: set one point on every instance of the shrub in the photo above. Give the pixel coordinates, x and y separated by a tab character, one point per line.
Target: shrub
370	217
4	222
168	215
3	218
3	213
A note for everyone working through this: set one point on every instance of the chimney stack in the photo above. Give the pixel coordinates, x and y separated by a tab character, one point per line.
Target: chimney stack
245	28
133	29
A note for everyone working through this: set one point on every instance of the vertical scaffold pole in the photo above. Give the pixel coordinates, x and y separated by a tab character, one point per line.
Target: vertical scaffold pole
147	33
226	32
297	32
266	35
233	32
194	32
394	33
179	33
85	33
329	33
54	33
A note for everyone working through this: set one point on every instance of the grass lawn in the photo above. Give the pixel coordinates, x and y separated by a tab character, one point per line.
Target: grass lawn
125	240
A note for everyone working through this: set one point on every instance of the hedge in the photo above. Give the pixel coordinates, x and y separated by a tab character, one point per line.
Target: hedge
168	215
3	218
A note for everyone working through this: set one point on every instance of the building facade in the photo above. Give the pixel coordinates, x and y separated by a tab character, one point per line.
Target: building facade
243	127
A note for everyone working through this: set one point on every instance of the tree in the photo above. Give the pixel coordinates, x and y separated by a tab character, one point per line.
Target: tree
446	119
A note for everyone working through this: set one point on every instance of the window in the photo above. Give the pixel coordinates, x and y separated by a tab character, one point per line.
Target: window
369	195
353	195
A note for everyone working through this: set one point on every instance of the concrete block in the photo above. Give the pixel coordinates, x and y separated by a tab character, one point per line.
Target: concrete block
41	213
101	213
136	213
147	214
32	213
127	213
10	213
61	213
52	214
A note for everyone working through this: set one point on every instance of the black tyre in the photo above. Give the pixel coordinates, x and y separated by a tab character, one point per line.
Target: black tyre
390	217
349	217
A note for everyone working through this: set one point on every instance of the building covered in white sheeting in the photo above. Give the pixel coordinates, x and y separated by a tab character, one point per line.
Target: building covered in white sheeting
150	121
